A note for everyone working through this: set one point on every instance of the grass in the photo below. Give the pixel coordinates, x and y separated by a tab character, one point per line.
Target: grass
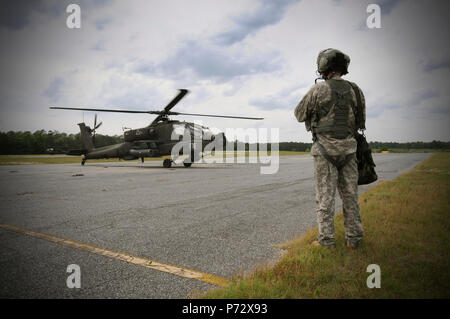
409	150
406	232
48	159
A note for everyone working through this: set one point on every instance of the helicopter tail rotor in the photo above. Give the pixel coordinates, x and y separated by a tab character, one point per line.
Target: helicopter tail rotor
96	126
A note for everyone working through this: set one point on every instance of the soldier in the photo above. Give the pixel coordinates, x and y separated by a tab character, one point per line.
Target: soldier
329	111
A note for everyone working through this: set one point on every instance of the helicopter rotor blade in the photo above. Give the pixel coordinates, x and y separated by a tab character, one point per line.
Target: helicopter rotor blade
166	111
168	107
101	110
223	116
156	112
175	100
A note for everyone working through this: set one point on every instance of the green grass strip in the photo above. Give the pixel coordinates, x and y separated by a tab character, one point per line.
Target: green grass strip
406	232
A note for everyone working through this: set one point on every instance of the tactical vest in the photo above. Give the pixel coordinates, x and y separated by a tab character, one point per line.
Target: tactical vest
334	119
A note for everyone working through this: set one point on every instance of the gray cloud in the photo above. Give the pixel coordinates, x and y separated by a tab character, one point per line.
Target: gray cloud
387	6
376	108
100	3
435	64
101	23
269	13
440	108
137	98
99	46
210	62
422	95
284	99
53	92
15	14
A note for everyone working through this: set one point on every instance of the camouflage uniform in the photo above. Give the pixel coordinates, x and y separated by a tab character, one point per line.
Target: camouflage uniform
317	105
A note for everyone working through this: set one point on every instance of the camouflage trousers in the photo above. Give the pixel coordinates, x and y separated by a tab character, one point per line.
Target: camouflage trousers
328	178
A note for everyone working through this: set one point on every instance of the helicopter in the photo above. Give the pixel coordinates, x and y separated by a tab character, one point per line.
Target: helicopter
154	140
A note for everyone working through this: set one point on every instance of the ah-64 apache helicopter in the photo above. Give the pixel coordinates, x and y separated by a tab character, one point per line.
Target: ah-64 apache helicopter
154	140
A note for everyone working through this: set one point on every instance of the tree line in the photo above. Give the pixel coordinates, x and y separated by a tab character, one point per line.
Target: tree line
42	142
375	146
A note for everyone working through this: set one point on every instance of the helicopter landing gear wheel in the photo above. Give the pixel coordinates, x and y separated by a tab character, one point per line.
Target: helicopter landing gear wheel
187	164
167	163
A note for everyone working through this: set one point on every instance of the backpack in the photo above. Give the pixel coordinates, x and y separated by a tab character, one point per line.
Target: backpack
366	165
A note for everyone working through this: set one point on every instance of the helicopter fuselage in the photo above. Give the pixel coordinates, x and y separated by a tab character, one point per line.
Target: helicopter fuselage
152	141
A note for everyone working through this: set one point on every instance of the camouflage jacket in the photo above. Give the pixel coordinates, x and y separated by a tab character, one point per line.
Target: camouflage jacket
318	98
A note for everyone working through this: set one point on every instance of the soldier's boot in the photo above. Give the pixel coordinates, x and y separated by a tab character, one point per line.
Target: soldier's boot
317	244
352	246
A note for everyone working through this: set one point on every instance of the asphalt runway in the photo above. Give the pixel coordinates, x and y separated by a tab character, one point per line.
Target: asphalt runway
219	219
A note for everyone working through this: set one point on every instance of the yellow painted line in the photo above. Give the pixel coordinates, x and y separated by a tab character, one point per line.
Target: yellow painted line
135	260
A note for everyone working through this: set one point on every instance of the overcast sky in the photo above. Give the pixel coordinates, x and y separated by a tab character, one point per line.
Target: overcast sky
240	57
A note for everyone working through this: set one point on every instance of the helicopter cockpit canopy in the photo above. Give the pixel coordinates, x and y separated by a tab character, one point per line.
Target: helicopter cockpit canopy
191	130
178	130
207	134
